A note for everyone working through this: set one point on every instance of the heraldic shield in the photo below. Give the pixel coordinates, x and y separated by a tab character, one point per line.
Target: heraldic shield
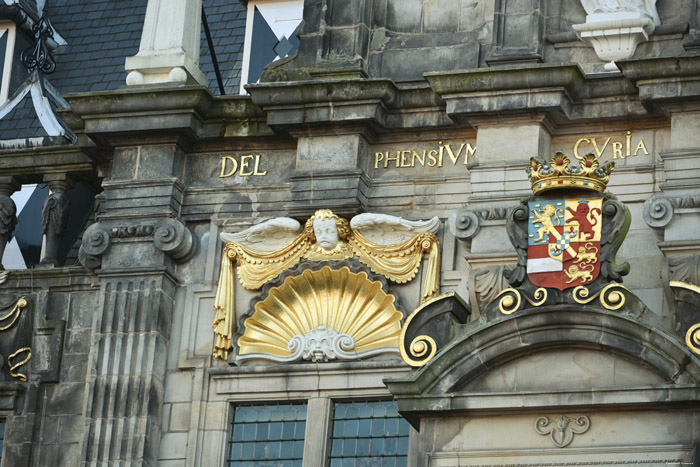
564	242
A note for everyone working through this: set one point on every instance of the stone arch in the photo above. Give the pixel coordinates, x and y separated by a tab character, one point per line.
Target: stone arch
490	344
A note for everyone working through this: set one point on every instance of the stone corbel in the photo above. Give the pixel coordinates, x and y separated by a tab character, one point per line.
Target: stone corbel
465	223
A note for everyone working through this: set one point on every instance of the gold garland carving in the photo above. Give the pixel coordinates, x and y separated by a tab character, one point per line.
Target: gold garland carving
398	263
14	313
610	296
14	366
692	338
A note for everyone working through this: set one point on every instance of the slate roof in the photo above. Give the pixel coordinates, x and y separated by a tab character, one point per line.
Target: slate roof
226	20
22	122
100	34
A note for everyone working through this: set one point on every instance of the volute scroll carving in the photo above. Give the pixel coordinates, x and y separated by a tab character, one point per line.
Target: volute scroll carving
172	237
169	235
464	224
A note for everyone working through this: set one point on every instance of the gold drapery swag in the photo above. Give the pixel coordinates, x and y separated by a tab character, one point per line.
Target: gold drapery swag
399	263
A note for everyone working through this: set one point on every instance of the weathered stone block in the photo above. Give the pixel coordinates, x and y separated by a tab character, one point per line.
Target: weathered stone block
404	15
407	64
441	16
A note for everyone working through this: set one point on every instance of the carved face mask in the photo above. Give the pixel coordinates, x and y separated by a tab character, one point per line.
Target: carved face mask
326	232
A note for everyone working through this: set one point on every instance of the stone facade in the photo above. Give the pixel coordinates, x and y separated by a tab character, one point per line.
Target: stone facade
412	108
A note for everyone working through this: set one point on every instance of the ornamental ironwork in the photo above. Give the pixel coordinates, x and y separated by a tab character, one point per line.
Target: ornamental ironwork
38	56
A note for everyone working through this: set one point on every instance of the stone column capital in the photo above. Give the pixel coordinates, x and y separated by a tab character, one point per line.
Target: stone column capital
59	183
8	185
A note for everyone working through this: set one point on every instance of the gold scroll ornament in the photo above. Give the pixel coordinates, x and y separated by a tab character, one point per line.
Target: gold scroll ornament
398	263
11	318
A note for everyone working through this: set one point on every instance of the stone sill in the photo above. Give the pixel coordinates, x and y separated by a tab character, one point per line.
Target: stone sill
309	368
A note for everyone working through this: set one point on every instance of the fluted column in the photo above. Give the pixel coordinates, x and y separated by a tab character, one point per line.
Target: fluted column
8	212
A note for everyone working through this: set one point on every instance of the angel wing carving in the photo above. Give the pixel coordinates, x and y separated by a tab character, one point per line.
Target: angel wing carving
267	236
385	229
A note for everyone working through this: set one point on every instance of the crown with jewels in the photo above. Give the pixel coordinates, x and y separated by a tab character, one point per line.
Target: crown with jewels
560	173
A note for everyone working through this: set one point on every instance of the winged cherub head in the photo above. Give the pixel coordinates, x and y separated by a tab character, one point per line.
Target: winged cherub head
327	228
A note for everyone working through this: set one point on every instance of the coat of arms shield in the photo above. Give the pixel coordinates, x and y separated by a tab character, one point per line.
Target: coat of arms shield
564	242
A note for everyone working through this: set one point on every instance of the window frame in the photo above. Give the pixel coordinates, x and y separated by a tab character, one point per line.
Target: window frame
329	458
233	406
319	385
245	61
11	30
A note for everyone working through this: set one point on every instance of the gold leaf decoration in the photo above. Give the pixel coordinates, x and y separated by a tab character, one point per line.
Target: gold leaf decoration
344	301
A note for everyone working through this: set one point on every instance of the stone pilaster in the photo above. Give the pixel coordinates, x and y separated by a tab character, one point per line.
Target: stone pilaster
169	50
8	211
127	373
133	248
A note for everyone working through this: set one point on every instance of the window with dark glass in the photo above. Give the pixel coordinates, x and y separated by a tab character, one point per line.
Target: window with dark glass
270	435
2	437
368	434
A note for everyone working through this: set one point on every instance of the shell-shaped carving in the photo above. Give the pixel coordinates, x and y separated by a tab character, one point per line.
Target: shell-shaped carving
345	301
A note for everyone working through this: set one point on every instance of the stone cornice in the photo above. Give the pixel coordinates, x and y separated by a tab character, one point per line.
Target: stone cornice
187	111
673	80
302	103
562	91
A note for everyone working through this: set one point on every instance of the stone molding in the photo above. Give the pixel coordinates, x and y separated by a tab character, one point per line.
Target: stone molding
168	235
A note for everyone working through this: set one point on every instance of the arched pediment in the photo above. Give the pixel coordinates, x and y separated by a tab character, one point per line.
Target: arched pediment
489	349
568	368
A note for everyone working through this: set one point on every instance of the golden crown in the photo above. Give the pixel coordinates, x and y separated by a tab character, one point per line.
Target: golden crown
560	173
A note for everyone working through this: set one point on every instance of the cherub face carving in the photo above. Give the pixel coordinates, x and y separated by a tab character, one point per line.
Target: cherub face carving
326	232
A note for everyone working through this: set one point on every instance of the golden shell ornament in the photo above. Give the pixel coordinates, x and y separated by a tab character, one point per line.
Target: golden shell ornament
322	315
